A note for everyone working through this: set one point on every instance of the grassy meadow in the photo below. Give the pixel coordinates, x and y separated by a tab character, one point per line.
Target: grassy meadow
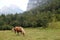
32	34
50	33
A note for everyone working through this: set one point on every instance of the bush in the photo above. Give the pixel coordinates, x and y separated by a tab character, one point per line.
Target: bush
6	27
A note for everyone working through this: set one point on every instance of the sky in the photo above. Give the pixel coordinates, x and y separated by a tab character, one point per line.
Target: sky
22	4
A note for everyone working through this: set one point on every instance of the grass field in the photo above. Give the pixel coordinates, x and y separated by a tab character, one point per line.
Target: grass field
32	34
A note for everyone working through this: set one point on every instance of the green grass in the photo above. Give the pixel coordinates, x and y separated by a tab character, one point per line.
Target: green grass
32	34
55	25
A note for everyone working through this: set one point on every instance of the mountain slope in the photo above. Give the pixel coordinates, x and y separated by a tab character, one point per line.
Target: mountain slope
11	9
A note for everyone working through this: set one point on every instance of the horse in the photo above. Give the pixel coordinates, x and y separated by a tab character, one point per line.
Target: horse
18	29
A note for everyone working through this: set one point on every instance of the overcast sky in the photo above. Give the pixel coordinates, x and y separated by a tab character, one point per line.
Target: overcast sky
22	4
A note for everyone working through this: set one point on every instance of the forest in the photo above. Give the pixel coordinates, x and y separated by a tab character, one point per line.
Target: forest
40	16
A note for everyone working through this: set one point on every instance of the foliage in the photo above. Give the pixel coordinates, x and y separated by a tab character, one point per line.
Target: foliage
40	16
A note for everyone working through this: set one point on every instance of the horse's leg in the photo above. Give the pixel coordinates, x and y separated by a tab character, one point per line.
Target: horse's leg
17	33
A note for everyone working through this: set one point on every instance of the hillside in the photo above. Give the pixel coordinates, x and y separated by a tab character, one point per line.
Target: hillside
34	3
41	16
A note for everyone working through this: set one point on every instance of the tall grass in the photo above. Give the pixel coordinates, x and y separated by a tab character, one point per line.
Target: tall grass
55	25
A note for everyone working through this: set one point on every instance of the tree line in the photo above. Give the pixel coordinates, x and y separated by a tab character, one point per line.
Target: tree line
37	17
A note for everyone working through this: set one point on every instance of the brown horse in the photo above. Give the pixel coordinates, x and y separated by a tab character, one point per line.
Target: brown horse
18	29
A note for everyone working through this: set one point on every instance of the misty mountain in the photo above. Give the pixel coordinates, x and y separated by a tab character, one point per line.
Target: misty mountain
34	3
10	10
